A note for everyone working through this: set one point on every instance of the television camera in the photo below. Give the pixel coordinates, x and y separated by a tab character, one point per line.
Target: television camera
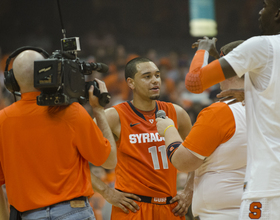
61	77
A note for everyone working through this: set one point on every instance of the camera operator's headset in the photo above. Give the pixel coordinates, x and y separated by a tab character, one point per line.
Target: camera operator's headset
9	78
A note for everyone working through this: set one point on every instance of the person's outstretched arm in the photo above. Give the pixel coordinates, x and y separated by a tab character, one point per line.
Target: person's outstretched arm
103	125
202	75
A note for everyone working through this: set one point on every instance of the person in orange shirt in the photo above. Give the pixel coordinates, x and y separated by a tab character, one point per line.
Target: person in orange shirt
143	168
216	148
45	151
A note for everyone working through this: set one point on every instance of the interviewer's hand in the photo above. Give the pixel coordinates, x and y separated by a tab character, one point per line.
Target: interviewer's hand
162	124
184	200
122	200
207	44
236	94
93	100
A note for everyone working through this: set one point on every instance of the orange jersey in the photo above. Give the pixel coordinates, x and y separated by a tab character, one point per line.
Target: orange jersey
143	167
147	211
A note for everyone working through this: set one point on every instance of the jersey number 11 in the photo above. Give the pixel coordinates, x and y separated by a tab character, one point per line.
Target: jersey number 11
154	153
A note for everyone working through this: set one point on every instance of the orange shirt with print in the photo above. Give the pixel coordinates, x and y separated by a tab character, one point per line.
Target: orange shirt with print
44	152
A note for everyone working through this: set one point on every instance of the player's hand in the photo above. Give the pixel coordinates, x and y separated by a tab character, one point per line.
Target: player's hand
162	124
122	200
184	200
93	100
236	94
207	44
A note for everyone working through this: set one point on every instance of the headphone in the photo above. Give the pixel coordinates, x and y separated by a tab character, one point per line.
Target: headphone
9	78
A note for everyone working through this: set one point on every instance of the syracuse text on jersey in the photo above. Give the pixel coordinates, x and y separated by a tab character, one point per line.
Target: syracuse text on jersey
145	138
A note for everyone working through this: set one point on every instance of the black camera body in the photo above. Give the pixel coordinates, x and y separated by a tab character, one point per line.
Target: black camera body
61	77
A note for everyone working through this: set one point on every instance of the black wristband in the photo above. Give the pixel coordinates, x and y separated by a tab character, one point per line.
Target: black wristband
172	148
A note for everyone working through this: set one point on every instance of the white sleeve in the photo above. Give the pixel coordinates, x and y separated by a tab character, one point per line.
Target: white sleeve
251	55
197	155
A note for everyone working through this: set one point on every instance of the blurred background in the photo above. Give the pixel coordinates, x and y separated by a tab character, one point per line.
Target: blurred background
115	31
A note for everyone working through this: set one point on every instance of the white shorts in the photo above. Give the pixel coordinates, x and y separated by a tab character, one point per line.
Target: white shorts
220	215
262	208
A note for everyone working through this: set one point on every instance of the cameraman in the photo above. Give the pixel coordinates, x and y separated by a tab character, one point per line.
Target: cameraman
44	151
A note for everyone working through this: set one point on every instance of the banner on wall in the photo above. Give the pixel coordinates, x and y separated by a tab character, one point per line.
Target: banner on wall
202	18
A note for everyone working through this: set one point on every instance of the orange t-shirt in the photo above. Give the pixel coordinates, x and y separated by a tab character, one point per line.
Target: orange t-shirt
143	167
44	154
214	125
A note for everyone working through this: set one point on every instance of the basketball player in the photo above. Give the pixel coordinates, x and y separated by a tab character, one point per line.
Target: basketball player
257	59
143	168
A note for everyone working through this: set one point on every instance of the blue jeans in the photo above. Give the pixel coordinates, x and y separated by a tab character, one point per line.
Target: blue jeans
60	211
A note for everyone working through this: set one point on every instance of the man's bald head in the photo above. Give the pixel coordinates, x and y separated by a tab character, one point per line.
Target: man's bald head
23	68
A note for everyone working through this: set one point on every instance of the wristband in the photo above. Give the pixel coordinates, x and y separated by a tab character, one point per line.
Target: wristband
167	128
170	150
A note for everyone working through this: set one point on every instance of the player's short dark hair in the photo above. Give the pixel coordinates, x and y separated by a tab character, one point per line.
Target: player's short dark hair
130	67
230	46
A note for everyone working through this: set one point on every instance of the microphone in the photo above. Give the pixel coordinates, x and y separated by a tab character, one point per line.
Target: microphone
161	114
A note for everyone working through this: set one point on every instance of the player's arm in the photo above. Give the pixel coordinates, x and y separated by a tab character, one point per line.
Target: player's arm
184	197
203	75
3	206
102	123
113	119
183	121
189	185
119	199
